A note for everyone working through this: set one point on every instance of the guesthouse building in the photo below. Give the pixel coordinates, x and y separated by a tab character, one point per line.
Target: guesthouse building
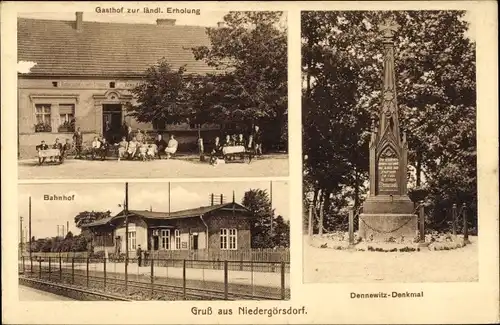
202	232
78	74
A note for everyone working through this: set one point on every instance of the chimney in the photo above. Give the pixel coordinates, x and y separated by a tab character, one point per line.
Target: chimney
165	22
221	24
79	21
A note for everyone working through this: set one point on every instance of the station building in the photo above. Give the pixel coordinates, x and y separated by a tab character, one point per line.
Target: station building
82	72
207	229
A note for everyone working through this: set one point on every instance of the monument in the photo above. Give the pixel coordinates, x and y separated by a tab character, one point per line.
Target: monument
388	211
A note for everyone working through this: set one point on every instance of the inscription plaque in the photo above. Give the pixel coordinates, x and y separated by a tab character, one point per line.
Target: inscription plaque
388	171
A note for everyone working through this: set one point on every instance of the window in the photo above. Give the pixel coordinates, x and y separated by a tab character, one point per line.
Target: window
54	84
42	113
111	84
228	238
177	235
66	118
132	241
165	239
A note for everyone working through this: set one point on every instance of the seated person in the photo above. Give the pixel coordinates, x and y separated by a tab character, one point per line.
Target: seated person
151	152
57	145
228	142
65	149
240	141
132	148
96	144
41	146
171	146
160	145
143	149
122	148
104	149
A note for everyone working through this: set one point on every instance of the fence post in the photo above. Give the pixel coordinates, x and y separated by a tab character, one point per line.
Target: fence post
421	219
351	226
152	277
251	277
73	270
40	268
104	268
184	279
88	260
60	268
454	219
320	226
282	280
225	280
49	267
466	225
310	219
22	258
31	264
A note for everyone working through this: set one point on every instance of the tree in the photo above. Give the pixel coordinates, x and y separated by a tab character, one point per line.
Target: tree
263	235
86	217
435	75
163	96
250	53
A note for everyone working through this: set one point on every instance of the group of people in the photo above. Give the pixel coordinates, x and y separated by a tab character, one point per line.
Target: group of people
254	143
137	147
63	150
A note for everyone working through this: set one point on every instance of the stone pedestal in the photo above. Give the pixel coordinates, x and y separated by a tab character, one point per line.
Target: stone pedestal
386	216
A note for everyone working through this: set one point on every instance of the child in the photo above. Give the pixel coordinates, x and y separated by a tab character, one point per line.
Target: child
143	151
151	152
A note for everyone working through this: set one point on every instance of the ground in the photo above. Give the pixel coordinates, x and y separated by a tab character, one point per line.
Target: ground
182	167
30	294
323	265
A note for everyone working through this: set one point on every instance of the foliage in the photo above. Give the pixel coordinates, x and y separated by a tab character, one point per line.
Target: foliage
265	235
67	126
251	54
86	217
43	127
70	243
435	79
164	95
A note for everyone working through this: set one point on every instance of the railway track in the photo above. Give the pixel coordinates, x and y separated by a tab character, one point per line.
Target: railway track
158	289
68	290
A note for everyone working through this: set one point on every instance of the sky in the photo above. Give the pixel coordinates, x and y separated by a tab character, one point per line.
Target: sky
205	18
47	215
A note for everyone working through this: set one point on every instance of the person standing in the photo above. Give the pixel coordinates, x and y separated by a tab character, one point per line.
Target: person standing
78	141
139	255
257	140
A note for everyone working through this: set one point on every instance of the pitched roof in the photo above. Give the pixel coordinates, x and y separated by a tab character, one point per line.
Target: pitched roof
173	215
106	49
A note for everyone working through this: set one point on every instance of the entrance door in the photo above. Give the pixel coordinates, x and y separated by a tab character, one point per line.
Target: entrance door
195	241
155	243
112	122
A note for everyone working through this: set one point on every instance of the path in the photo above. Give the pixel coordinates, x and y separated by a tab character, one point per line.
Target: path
267	166
264	279
30	294
322	265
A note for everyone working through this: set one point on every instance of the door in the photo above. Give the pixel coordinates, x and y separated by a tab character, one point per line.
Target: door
155	243
195	242
112	122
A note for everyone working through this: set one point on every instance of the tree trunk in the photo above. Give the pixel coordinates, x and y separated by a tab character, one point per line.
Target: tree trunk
418	168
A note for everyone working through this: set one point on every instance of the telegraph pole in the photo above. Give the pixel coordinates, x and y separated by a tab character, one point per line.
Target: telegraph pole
271	202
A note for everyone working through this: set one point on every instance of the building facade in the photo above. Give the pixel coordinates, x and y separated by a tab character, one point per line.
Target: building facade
77	74
215	228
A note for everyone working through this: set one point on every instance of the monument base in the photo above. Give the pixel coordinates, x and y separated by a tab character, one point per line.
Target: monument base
386	216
